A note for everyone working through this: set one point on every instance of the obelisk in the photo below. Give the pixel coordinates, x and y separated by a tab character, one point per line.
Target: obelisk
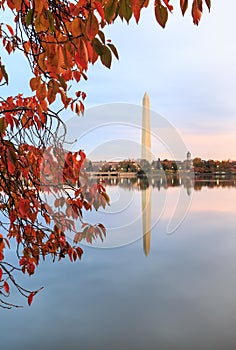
146	135
146	193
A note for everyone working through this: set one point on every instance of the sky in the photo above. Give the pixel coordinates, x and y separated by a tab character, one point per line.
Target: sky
189	73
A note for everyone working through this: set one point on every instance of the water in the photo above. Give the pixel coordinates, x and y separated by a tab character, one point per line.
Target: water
181	295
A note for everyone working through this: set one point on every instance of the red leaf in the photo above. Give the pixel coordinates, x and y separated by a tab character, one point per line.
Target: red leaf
0	275
170	7
7	242
6	287
70	253
81	57
79	252
10	120
100	9
196	13
30	298
136	8
82	156
24	207
11	167
77	75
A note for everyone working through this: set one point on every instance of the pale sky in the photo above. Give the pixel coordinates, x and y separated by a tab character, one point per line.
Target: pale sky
189	73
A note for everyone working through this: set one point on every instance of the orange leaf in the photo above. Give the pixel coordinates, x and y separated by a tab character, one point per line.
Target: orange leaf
196	12
41	92
76	27
92	26
10	29
137	5
18	4
47	218
81	57
9	47
60	54
26	46
30	298
34	83
77	109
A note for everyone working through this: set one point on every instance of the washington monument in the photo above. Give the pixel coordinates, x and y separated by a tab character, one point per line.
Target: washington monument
146	136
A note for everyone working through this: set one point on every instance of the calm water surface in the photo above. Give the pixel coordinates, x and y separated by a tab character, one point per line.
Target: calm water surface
179	295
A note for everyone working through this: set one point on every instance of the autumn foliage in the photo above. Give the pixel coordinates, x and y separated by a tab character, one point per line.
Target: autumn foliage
59	40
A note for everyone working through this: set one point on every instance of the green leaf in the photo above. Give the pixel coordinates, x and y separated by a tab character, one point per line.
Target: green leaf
51	21
62	81
199	3
29	17
107	198
125	10
106	57
97	46
161	13
114	50
2	125
102	36
13	155
110	10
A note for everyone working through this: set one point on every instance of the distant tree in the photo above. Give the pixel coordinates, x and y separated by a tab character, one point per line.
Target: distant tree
89	166
174	166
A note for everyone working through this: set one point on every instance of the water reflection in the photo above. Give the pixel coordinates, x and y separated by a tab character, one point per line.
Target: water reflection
188	182
146	219
152	190
181	297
